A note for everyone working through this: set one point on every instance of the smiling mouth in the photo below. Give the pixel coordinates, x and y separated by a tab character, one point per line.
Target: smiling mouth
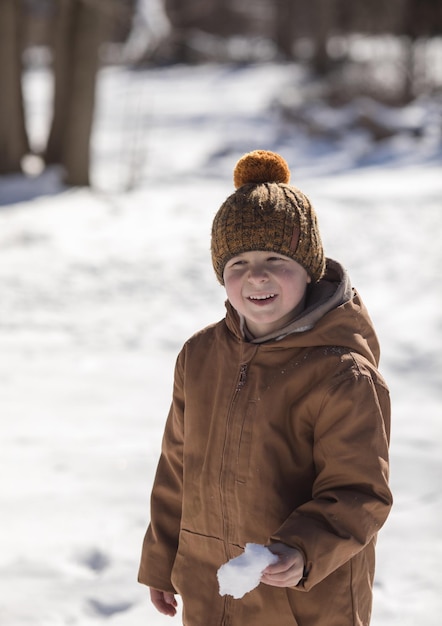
269	296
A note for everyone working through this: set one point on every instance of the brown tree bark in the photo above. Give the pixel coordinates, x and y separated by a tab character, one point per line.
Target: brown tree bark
79	33
14	144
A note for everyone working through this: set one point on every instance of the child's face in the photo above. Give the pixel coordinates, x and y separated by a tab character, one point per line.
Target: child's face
267	288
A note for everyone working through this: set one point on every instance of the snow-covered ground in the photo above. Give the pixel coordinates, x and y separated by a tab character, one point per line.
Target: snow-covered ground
100	288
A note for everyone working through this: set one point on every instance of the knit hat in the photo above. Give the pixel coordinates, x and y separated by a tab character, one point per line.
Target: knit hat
266	213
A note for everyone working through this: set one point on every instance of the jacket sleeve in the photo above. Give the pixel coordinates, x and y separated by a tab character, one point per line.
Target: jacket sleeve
161	539
351	498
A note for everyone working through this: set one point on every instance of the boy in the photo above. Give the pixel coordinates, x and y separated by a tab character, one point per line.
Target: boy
278	430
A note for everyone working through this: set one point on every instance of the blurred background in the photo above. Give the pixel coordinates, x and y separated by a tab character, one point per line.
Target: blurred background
349	50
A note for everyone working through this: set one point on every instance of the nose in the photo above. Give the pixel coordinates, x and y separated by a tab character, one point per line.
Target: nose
257	274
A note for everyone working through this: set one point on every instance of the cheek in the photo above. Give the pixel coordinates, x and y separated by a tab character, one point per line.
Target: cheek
232	286
294	289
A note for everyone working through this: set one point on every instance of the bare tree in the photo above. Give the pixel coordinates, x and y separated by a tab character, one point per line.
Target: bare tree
78	34
288	13
14	143
77	28
420	19
323	23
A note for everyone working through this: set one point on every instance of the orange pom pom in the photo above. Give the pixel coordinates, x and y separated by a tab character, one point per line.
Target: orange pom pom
261	166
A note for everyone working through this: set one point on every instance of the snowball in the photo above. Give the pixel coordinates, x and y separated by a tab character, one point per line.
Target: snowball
243	573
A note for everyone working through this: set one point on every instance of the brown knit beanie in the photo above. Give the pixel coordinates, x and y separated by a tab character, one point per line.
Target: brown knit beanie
266	213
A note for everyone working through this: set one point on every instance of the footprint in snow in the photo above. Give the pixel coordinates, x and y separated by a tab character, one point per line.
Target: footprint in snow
95	560
107	609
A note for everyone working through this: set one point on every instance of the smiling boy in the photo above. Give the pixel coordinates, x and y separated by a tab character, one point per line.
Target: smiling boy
278	430
267	289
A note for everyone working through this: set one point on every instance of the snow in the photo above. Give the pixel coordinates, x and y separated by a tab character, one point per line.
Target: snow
100	287
243	573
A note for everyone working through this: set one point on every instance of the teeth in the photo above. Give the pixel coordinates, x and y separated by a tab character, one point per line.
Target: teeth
270	295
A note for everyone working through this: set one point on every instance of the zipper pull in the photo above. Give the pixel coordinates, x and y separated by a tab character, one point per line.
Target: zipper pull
242	377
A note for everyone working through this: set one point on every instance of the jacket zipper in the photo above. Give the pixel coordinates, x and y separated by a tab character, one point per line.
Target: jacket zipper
241	381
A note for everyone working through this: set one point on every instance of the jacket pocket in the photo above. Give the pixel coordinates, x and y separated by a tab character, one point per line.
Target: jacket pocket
194	577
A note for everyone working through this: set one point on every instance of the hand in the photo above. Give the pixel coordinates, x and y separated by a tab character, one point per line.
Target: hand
163	601
288	570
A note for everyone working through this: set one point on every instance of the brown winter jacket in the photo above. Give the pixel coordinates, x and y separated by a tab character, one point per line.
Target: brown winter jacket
278	439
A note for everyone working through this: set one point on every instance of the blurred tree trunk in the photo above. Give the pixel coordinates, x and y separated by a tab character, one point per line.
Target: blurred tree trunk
14	143
409	69
79	33
421	19
323	22
286	16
